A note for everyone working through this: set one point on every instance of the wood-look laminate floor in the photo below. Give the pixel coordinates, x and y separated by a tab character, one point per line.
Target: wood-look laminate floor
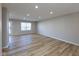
38	45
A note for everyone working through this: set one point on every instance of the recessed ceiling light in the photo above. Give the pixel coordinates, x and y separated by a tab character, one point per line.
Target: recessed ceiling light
36	6
24	18
51	12
39	17
28	14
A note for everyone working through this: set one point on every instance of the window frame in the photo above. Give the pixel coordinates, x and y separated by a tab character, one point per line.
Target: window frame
26	26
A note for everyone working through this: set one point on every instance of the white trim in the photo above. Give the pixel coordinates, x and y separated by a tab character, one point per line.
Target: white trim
66	41
62	40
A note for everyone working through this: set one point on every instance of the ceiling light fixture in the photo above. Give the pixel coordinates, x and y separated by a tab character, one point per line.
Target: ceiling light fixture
36	6
51	12
28	14
24	18
39	17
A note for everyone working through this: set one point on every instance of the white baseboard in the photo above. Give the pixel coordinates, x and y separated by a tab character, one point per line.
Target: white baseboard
66	41
62	40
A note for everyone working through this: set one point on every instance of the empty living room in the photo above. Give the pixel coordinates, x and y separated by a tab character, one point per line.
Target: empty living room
40	29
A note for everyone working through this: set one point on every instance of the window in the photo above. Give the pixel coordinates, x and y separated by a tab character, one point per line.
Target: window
25	26
10	27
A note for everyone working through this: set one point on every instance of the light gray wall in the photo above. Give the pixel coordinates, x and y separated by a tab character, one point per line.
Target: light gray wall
65	28
5	19
16	28
0	29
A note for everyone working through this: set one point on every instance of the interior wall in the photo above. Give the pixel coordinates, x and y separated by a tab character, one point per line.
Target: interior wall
5	19
0	29
65	28
16	28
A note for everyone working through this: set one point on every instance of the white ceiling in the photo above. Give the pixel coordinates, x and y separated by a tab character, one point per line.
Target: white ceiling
19	11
